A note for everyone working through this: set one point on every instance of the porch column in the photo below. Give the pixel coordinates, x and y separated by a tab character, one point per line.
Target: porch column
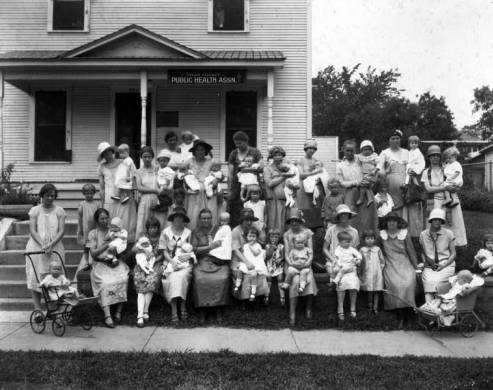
270	104
143	104
1	120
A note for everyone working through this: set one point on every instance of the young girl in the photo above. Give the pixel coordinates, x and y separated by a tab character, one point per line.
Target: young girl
416	161
124	175
331	202
223	235
383	200
274	260
258	207
58	285
165	175
86	223
247	176
299	261
368	160
453	175
371	269
254	253
484	257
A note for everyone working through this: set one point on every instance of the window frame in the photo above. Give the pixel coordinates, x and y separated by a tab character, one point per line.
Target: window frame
246	21
68	125
51	9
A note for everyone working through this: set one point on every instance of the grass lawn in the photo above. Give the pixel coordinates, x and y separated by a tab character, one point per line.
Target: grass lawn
226	370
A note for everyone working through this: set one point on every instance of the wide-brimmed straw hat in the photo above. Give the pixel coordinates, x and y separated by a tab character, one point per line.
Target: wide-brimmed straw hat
394	217
247	215
295	214
437	214
201	142
103	147
344	209
179	212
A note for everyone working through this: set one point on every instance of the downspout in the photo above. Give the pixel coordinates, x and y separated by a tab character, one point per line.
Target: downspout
1	120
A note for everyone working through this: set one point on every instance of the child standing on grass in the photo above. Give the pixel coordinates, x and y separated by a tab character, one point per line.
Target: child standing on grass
255	255
371	269
274	259
299	261
453	175
86	223
331	201
484	257
124	175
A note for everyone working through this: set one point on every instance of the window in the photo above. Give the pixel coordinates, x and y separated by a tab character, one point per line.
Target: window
50	126
228	15
68	15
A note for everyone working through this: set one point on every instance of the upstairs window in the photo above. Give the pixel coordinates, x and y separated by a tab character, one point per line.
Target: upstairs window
68	15
228	15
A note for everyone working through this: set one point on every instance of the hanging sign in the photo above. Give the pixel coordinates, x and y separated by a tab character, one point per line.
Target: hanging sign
200	76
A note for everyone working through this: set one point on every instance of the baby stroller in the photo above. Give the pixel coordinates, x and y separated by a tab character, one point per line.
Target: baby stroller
59	311
464	319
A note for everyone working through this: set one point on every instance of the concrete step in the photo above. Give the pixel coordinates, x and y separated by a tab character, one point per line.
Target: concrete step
16	304
22	227
14	289
16	257
18	272
19	242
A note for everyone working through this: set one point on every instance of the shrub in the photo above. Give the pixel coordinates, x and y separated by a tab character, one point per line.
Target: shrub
476	199
14	193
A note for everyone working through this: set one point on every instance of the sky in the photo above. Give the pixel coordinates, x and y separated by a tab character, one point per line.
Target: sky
441	46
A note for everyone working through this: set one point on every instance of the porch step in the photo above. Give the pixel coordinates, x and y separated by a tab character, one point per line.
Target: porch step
14	289
22	227
18	272
19	242
16	304
16	257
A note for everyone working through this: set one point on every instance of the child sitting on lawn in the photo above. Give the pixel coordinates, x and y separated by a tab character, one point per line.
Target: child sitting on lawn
58	286
274	259
299	262
484	257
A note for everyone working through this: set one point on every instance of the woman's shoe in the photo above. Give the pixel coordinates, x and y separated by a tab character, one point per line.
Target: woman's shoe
108	322
353	314
146	317
341	316
252	297
140	322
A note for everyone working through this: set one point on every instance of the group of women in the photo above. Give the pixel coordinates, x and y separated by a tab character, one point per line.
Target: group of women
197	222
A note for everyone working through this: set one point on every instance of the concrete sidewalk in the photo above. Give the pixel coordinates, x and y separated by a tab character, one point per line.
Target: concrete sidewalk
19	336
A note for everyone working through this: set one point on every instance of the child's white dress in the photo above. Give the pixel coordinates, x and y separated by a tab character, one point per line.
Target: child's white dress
209	190
347	258
372	265
416	162
488	258
247	178
386	206
58	287
224	251
257	261
180	261
124	174
192	182
165	177
449	170
118	242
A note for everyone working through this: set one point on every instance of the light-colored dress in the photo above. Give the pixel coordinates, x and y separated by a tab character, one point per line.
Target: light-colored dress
454	217
372	264
47	222
439	248
151	282
86	211
148	179
238	241
275	199
394	164
347	258
331	237
176	284
350	174
303	199
196	202
109	284
399	274
311	284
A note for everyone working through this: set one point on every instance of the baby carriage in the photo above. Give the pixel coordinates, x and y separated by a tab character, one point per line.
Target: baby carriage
59	311
463	317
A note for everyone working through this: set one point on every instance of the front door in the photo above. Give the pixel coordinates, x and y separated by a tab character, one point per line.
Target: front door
241	114
127	122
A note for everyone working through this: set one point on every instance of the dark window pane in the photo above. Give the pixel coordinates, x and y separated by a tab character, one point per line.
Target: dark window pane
167	119
50	121
68	14
228	15
241	114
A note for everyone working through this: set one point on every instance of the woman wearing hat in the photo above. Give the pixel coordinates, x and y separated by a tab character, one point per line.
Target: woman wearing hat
350	175
200	165
177	158
308	166
439	254
238	238
175	286
399	273
275	198
295	228
433	180
127	211
211	275
236	157
393	166
343	224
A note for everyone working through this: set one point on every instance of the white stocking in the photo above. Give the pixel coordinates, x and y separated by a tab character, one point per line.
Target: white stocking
140	305
148	299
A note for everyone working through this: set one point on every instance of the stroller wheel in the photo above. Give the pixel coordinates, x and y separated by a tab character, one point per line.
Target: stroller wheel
85	320
58	327
37	321
468	325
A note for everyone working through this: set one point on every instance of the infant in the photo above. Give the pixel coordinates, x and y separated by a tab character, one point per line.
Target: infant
484	257
310	183
183	258
453	175
145	259
292	184
247	176
416	161
117	237
215	176
58	286
347	258
299	262
165	175
223	235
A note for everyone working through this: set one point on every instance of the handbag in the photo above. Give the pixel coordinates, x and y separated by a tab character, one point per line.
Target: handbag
415	193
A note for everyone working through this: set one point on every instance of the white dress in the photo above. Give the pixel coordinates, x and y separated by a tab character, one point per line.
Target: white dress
223	234
258	261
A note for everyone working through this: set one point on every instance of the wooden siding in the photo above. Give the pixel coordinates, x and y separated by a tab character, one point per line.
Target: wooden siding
274	25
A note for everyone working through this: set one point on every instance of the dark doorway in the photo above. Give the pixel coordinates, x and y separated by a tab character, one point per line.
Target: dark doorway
127	122
241	114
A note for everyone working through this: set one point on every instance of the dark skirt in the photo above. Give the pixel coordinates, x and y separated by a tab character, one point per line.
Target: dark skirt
211	283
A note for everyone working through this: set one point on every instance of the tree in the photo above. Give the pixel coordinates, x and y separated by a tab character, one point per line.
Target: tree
368	105
483	103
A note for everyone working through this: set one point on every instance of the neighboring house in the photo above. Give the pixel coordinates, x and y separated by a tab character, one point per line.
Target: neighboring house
479	168
74	73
